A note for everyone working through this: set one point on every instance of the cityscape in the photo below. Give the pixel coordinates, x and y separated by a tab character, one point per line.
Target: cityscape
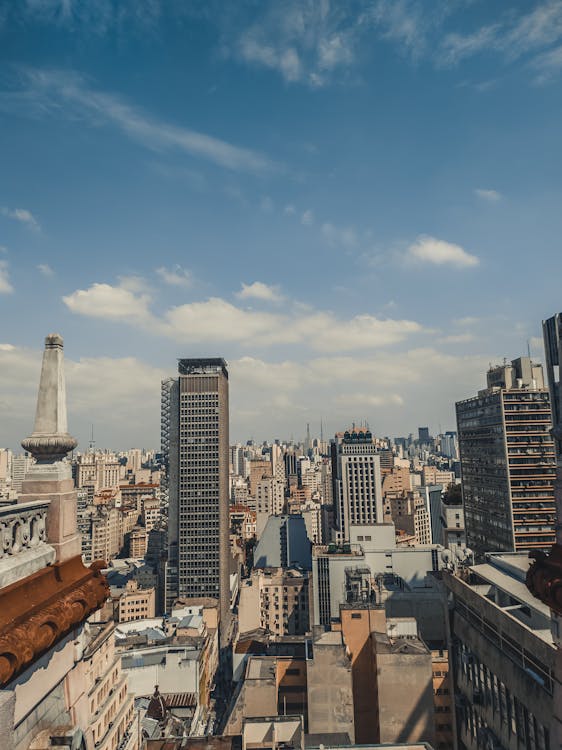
285	593
280	375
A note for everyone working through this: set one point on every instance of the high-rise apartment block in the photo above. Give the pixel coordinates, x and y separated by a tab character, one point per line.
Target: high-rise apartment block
357	481
195	439
507	461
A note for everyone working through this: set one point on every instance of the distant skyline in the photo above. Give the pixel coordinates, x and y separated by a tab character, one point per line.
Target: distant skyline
356	204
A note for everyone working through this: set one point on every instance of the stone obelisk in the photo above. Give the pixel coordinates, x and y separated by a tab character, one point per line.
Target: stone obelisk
50	478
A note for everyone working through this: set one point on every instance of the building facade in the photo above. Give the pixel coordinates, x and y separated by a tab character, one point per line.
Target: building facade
195	419
507	461
503	658
357	481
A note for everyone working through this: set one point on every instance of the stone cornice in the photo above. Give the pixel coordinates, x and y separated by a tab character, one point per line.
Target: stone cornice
38	611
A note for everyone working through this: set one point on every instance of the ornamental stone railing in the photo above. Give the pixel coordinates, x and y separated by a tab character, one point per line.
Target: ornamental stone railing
22	527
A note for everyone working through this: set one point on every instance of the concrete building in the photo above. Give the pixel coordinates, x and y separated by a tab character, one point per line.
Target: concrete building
259	468
100	471
150	512
434	475
101	692
451	524
373	566
284	544
135	603
20	465
503	655
195	425
181	650
409	512
357	481
270	500
276	600
545	574
507	461
330	686
272	686
443	699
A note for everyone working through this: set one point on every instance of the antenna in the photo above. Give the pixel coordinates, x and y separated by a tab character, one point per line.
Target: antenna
321	431
92	446
529	348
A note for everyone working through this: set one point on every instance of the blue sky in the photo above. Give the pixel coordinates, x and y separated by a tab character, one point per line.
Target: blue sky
356	203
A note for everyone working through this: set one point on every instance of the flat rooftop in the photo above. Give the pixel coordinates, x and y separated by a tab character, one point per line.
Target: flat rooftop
261	668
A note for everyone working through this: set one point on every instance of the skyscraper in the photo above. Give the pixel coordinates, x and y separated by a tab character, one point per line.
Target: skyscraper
507	461
357	481
195	443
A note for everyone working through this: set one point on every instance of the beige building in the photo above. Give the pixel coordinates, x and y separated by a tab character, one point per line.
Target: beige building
136	603
97	470
111	722
150	512
270	499
276	600
397	481
433	475
138	539
259	468
330	686
443	700
408	511
272	686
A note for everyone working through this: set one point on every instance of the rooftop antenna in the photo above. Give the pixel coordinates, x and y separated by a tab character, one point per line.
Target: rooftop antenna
529	348
321	431
92	446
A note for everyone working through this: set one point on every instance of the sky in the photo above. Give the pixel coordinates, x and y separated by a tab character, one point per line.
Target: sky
357	203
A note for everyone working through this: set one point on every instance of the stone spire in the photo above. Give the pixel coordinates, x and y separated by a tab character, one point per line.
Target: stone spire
50	441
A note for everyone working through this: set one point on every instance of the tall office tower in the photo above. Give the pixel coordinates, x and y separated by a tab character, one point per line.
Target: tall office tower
195	437
507	461
423	435
357	481
449	444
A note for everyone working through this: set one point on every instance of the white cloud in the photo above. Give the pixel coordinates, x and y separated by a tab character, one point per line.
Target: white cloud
110	302
347	237
429	250
23	215
512	36
468	320
307	218
176	276
456	338
55	91
217	320
5	285
261	291
46	270
368	399
492	196
305	42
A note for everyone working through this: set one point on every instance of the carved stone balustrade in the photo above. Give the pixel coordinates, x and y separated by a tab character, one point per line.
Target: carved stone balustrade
22	527
23	540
